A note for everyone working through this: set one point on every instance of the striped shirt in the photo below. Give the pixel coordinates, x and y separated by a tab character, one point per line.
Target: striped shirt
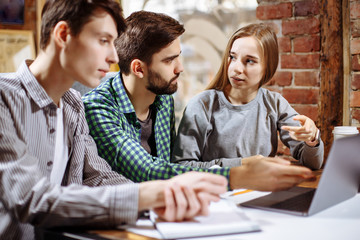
27	144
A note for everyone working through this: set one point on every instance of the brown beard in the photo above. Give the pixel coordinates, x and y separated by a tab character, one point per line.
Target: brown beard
159	86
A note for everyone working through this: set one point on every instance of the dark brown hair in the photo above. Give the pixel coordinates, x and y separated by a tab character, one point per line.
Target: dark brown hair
76	13
268	42
146	34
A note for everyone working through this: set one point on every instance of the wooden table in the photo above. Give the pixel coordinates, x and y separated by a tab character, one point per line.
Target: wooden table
120	234
312	184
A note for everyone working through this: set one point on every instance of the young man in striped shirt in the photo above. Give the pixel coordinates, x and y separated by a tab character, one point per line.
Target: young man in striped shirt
50	172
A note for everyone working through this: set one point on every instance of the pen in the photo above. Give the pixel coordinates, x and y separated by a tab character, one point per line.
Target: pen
241	192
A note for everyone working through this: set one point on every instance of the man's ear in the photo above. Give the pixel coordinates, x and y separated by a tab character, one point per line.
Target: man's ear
137	67
60	33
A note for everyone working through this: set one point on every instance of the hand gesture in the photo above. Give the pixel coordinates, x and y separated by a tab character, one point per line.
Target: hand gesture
307	132
268	174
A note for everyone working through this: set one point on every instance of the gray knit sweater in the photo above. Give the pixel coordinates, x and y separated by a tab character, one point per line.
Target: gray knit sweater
215	132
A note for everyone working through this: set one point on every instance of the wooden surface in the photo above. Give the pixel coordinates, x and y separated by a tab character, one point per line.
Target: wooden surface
331	74
117	234
347	61
312	184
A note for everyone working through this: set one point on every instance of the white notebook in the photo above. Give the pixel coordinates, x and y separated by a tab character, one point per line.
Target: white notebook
224	218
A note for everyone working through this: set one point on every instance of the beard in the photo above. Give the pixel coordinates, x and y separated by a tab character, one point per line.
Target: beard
159	86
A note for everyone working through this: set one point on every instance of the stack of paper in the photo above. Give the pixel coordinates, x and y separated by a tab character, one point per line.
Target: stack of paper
224	218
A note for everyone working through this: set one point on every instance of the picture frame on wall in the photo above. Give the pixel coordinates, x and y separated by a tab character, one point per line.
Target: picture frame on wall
15	47
12	11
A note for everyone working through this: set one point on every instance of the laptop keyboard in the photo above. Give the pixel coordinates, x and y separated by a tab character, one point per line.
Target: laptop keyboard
298	203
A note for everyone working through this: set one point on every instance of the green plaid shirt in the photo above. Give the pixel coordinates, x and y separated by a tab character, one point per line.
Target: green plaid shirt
114	126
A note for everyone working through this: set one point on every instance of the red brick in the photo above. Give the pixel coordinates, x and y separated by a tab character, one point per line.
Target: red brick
355	28
307	79
355	81
355	99
272	1
274	88
301	96
301	26
310	111
306	8
308	61
354	10
355	46
284	44
282	78
355	63
307	43
276	11
355	113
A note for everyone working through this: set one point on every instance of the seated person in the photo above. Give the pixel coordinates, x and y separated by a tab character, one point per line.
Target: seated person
131	116
51	174
235	118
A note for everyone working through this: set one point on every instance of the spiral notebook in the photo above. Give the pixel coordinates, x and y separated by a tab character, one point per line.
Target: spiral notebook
224	218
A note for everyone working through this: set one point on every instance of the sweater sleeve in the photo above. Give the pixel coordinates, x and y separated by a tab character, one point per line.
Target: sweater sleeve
308	156
192	138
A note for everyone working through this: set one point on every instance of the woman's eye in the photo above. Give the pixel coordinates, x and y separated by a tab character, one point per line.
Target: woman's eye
250	61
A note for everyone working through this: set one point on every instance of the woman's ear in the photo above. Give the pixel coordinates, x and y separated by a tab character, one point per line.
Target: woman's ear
60	33
137	67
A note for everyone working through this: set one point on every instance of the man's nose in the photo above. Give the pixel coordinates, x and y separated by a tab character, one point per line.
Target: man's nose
179	67
113	57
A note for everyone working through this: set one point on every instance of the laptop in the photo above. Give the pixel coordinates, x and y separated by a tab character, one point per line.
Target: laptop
339	182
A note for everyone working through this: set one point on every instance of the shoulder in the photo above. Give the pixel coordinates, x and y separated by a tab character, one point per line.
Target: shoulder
276	102
103	95
203	103
9	82
207	98
271	97
99	93
73	98
11	88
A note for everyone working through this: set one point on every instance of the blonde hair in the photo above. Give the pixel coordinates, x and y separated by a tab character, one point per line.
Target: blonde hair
268	42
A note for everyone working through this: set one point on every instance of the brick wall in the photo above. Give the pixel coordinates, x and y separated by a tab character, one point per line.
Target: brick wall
355	66
298	30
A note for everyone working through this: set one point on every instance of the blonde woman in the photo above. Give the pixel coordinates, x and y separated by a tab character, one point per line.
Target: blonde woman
235	118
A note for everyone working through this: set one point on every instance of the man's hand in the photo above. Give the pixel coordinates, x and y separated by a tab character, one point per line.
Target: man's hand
182	197
307	132
268	174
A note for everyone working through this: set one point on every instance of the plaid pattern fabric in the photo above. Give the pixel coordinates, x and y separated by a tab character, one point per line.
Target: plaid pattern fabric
116	131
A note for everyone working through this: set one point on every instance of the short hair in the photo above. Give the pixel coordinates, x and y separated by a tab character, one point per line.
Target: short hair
76	13
268	42
146	34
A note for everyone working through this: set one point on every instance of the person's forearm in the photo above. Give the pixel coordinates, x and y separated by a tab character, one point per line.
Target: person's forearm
236	178
151	194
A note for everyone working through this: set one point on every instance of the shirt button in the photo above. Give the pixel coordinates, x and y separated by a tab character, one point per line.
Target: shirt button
49	163
52	130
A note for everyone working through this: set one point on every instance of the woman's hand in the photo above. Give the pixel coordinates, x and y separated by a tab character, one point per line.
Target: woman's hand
307	132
